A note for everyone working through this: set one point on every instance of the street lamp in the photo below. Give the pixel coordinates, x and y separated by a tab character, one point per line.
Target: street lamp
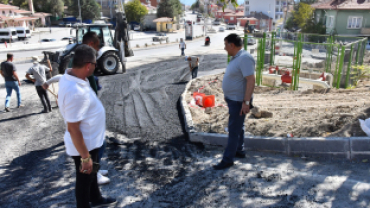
268	21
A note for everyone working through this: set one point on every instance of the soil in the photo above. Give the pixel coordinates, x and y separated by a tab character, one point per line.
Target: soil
279	111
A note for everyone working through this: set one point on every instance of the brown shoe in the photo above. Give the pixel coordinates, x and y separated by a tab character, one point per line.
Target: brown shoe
7	109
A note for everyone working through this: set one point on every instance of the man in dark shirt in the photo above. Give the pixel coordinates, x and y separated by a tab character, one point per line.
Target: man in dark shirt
8	71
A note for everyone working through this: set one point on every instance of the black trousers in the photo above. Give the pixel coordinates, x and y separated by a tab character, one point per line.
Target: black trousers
87	189
43	95
194	72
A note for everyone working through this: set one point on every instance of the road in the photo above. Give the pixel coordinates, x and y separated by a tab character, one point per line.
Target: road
150	161
161	51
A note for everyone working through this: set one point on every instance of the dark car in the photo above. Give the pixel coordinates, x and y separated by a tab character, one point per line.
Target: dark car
47	40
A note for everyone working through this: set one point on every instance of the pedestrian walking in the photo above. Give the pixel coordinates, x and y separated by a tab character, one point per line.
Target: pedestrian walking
92	40
193	65
238	86
182	46
39	77
84	116
8	71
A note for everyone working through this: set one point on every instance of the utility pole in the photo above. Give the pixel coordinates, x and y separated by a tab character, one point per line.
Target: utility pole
79	11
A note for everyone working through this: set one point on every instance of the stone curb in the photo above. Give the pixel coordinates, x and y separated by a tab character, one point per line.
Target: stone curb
350	148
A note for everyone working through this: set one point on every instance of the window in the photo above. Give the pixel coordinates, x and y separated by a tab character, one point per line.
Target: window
20	31
247	9
14	33
231	18
354	22
3	12
246	2
107	36
277	2
330	21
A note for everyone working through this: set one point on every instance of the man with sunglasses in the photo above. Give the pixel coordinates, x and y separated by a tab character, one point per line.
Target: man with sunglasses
84	116
92	40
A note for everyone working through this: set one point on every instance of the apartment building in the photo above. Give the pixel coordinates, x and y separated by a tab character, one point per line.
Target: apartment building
272	8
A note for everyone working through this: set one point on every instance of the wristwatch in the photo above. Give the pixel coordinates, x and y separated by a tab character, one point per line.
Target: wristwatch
246	102
85	160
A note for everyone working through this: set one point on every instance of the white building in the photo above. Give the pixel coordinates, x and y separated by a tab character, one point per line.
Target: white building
272	8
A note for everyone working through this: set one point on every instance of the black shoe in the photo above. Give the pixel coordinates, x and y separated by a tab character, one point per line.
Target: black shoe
104	202
44	111
239	155
7	109
222	165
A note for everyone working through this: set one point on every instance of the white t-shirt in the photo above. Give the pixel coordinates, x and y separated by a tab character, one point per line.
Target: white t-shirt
182	44
78	102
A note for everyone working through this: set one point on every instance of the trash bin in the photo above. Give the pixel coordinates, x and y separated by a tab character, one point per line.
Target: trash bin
207	41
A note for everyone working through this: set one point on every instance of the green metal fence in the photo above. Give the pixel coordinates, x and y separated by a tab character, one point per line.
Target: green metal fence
330	54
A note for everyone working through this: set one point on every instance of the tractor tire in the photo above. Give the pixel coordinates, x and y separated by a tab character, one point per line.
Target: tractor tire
109	63
64	63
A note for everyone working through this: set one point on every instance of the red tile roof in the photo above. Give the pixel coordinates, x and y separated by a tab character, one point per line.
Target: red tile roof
21	11
343	5
226	11
7	6
163	19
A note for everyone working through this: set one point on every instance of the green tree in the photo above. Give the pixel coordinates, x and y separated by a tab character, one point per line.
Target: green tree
169	8
135	11
48	6
3	1
67	3
303	15
90	9
23	4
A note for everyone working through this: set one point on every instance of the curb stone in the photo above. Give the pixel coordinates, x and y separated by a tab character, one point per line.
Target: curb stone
349	148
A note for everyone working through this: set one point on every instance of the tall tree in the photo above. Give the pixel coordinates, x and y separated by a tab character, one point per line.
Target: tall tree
169	8
90	9
135	11
303	15
3	1
48	6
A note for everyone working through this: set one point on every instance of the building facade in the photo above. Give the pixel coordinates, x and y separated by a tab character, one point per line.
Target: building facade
349	18
12	16
272	8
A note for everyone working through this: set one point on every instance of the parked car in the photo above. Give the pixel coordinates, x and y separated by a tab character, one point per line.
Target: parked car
47	40
78	24
137	27
62	24
70	39
23	33
251	40
160	37
230	27
8	34
221	29
216	22
68	24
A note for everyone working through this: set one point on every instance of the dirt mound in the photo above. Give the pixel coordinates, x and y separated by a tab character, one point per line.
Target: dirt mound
306	113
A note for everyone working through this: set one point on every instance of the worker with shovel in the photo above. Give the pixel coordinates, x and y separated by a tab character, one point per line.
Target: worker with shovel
39	77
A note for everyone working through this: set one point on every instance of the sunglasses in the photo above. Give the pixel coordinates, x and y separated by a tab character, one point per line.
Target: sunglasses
93	63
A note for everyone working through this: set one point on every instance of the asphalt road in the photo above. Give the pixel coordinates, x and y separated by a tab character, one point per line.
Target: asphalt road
150	161
158	51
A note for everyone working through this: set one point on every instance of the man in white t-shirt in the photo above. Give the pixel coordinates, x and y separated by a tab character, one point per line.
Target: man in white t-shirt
182	46
84	116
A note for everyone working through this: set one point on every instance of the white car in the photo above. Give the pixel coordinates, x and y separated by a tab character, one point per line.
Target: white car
221	29
230	27
251	40
137	27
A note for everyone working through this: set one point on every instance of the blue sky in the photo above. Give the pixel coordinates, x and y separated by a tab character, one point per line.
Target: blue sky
190	2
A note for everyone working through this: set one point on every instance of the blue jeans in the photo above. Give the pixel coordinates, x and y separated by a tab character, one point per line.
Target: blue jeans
101	151
235	141
10	86
182	52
